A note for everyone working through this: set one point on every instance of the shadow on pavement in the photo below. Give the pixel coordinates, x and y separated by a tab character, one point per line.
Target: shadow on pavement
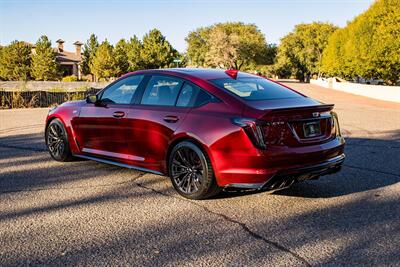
370	164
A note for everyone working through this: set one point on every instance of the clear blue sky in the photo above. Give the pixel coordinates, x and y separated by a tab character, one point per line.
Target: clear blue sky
73	20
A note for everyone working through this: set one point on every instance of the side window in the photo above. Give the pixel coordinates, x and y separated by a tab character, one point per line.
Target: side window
185	95
202	98
192	96
162	91
122	91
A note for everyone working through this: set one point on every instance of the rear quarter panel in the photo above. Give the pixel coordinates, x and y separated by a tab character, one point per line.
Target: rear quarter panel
224	142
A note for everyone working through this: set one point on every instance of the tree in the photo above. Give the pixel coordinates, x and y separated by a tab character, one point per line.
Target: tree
121	58
44	65
1	50
156	51
368	46
103	64
15	60
270	54
228	45
89	49
235	45
384	20
134	57
300	51
198	46
288	63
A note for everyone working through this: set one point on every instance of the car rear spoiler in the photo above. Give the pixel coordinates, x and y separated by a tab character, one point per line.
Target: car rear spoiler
316	108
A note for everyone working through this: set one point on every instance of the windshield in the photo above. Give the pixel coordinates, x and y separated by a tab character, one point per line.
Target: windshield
255	88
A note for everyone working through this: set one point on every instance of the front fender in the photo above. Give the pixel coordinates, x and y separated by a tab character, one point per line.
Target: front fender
66	113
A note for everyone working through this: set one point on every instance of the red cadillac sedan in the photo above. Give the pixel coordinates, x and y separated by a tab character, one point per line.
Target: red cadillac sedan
207	129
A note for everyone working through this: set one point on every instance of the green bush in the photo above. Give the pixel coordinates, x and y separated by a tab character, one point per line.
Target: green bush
368	46
71	78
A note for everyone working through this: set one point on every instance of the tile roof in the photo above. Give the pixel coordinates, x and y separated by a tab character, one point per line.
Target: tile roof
66	56
63	56
29	44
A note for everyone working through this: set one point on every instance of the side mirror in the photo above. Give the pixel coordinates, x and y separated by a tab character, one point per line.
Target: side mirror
91	99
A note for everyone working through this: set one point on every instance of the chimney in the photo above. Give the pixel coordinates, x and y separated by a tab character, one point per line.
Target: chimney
78	48
60	46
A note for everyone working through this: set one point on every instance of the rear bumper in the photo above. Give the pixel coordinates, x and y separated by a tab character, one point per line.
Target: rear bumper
288	177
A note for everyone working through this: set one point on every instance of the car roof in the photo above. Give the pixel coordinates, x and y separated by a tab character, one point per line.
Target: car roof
202	73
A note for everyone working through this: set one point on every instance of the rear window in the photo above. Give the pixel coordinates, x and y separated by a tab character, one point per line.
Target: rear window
255	88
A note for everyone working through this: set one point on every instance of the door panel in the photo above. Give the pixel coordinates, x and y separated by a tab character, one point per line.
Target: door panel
102	127
100	131
151	129
155	118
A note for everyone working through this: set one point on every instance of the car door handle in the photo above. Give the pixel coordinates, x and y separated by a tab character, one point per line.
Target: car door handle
171	118
118	114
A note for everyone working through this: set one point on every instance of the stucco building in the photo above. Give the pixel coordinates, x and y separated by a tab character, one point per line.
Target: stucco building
69	61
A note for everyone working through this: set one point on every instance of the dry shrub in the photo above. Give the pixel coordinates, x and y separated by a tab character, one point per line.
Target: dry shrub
34	100
17	101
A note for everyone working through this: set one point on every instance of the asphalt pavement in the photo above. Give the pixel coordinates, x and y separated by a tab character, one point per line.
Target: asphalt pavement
88	213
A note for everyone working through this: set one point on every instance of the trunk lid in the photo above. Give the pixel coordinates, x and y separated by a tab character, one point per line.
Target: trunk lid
294	122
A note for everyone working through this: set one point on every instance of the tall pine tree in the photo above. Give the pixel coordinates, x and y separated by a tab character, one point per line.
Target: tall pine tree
134	57
103	63
15	60
44	64
121	59
89	49
157	52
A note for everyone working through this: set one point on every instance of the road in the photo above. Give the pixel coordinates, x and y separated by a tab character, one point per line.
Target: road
88	213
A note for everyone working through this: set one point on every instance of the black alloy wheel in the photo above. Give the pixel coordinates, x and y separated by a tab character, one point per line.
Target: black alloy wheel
191	172
57	141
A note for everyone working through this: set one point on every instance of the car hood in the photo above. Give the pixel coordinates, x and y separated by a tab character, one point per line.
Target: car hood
76	103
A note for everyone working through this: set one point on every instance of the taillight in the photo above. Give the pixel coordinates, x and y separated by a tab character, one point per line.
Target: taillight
335	122
253	130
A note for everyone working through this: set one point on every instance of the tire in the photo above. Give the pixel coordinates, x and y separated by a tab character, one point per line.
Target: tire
191	172
57	141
